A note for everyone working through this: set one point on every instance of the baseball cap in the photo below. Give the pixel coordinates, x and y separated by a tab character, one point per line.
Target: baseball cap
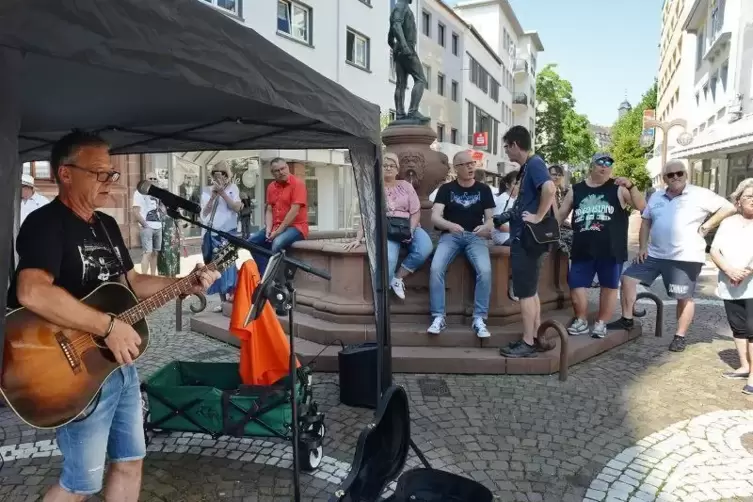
599	156
27	180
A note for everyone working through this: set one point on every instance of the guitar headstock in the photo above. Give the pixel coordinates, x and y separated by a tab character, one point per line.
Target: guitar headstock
224	256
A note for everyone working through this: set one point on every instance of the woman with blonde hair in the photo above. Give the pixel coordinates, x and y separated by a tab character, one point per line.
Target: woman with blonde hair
735	262
404	227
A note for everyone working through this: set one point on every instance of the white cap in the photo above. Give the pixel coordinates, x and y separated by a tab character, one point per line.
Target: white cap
27	180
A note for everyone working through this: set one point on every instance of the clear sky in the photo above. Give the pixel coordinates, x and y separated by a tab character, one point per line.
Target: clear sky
603	47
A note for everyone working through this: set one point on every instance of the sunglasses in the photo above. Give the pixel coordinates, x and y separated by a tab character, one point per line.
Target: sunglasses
215	173
102	176
604	162
676	174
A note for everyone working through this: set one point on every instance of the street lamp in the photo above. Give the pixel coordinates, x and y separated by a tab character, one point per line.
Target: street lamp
684	139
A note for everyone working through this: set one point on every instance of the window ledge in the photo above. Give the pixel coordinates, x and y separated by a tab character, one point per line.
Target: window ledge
228	13
357	66
293	39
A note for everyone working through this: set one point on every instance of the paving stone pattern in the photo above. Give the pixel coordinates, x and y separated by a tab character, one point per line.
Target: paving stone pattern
528	438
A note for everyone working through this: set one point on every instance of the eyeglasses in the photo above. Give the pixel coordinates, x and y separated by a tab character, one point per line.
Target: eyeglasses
746	197
676	174
215	173
604	162
389	166
465	164
102	176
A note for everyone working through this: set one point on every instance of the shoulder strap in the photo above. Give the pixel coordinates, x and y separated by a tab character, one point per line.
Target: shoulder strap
116	253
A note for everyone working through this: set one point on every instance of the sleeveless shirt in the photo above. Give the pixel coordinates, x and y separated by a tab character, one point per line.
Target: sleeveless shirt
600	224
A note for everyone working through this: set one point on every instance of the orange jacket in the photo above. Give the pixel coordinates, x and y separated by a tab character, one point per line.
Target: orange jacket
265	349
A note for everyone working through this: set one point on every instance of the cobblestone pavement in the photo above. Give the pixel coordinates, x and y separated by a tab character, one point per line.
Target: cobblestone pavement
638	423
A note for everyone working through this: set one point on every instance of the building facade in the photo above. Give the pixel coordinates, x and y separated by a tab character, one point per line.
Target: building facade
517	51
475	71
711	88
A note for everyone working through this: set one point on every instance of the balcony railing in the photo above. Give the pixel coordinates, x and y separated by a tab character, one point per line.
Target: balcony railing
520	66
520	98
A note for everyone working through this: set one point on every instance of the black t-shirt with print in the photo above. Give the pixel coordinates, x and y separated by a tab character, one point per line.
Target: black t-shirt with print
465	205
76	253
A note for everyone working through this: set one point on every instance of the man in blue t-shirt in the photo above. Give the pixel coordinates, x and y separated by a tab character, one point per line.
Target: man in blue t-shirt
535	199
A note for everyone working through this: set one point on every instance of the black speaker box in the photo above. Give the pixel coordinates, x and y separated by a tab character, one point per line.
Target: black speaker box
358	375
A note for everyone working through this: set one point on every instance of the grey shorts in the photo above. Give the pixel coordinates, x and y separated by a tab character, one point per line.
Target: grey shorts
151	239
679	276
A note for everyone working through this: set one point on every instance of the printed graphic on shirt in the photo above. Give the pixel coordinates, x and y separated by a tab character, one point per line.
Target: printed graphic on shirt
98	263
465	199
592	213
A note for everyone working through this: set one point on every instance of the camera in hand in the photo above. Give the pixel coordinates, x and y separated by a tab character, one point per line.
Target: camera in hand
503	218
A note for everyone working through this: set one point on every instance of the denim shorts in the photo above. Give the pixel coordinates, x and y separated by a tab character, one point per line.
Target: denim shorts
582	272
113	428
151	239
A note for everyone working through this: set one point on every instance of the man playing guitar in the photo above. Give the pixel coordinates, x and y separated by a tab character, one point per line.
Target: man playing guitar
64	254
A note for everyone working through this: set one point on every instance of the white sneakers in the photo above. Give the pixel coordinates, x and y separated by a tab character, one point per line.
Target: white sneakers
398	287
439	324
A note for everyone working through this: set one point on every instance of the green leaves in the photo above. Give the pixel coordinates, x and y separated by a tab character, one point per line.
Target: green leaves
562	135
629	155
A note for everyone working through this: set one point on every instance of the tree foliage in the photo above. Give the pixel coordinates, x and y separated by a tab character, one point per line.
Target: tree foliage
562	135
629	156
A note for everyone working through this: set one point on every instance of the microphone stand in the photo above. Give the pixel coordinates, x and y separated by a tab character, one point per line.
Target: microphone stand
281	269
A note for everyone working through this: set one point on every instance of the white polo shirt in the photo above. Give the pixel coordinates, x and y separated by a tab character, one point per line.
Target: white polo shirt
675	222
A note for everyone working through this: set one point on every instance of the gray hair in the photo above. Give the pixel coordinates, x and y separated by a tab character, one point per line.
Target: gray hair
672	163
741	188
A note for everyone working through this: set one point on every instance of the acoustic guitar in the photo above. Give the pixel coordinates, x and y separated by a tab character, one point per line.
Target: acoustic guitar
51	374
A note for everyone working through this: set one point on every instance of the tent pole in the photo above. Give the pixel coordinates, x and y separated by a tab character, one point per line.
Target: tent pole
10	168
381	302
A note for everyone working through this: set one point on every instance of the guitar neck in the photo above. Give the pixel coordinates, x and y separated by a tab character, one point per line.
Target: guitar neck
164	296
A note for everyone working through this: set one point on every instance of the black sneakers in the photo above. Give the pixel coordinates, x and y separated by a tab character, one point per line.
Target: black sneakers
621	324
518	349
678	344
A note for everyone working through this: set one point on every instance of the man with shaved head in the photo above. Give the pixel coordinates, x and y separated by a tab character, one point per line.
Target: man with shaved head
672	245
463	211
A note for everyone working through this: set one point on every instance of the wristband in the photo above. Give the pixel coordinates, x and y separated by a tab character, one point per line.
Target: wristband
109	327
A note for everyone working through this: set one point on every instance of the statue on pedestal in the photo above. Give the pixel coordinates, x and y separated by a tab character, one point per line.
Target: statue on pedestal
402	38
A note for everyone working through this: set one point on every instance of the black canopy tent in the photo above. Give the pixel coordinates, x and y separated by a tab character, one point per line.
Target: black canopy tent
174	75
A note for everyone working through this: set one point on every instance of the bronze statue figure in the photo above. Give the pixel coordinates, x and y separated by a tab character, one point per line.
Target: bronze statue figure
402	39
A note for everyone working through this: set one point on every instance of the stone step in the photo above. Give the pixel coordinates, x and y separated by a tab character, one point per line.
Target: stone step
438	359
459	332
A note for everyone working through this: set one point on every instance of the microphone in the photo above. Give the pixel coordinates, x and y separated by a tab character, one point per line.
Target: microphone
169	199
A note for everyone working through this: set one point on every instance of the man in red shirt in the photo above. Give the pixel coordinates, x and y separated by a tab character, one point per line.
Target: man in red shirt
286	215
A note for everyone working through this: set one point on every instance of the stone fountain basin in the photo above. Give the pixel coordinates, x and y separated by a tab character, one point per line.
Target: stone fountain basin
343	308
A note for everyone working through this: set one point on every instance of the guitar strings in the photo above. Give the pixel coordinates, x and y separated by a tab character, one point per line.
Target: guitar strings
86	340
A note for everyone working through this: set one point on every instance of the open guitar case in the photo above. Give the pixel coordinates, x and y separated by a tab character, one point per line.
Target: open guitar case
380	457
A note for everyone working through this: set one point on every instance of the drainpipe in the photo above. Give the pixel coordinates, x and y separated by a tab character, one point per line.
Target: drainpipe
339	48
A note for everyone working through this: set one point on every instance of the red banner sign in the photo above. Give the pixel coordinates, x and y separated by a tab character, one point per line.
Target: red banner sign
481	139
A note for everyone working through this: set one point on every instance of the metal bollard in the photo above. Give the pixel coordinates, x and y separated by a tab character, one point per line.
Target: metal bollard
564	342
659	325
195	309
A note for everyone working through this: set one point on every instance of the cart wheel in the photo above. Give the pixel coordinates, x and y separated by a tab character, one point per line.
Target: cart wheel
309	459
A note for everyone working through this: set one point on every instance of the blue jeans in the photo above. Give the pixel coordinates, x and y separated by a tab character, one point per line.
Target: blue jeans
282	241
229	277
477	252
419	249
114	427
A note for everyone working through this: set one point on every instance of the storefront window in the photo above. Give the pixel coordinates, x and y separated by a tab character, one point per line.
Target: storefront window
187	182
740	167
39	170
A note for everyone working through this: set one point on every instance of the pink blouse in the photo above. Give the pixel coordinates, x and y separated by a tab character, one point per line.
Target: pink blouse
402	200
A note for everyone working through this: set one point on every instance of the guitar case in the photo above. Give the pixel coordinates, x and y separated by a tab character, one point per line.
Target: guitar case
381	453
